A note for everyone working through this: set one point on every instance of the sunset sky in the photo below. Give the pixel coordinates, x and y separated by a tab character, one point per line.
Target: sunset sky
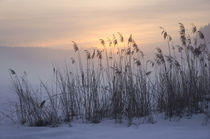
55	23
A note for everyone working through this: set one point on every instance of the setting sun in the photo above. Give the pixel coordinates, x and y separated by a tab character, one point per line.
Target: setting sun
55	23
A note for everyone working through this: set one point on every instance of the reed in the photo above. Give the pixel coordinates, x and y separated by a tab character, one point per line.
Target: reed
118	82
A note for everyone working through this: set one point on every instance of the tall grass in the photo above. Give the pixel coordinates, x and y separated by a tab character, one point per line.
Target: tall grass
118	82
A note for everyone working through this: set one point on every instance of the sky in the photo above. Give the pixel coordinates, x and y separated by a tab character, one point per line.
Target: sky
56	23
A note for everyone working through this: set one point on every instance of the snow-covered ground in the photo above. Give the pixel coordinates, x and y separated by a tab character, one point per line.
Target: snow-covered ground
162	129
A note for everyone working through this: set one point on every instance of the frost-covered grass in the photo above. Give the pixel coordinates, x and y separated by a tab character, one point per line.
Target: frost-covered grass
184	128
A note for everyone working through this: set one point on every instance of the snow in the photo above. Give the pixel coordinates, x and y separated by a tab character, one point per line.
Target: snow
184	128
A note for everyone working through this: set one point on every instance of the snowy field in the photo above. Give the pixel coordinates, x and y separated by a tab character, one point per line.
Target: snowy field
162	129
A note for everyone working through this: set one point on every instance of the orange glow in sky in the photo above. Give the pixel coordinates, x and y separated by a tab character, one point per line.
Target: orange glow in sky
55	23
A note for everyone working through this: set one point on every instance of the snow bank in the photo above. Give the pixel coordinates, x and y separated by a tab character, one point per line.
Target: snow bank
163	129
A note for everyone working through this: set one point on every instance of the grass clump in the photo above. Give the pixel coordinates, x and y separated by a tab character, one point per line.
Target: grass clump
118	82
